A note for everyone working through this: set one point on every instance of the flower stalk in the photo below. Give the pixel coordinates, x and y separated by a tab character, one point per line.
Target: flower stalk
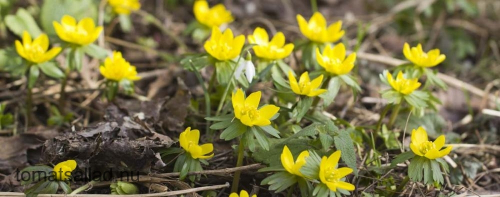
394	114
239	163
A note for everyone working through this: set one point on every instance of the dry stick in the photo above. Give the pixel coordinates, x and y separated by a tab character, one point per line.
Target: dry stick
170	193
448	79
213	172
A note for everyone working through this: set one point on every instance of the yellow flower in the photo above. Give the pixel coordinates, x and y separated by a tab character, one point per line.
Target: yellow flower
291	166
82	33
422	147
243	193
274	50
124	6
317	31
116	68
403	85
334	61
331	176
211	17
62	171
189	142
305	86
420	58
36	51
246	109
224	46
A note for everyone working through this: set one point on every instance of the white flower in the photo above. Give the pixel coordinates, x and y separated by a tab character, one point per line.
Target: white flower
249	68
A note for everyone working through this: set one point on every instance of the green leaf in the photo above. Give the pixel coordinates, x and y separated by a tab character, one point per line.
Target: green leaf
197	60
272	156
437	175
51	188
51	69
234	130
22	21
65	187
332	91
271	131
350	81
221	125
221	117
95	51
310	130
250	141
311	168
431	121
326	141
427	172
224	72
401	158
54	10
261	138
75	58
302	108
33	76
392	96
415	168
344	143
125	22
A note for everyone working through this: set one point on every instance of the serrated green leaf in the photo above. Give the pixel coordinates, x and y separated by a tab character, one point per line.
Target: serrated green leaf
437	175
344	143
415	168
326	140
350	81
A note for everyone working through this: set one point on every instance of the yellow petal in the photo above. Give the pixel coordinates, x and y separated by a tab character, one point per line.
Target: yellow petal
200	9
445	151
259	37
278	40
415	149
316	92
439	142
183	139
317	21
419	135
287	159
304	78
20	49
303	25
234	194
316	82
68	20
293	83
432	154
238	98
344	171
243	193
26	38
247	121
407	52
331	186
334	158
268	111
42	41
253	100
52	53
338	51
207	148
345	186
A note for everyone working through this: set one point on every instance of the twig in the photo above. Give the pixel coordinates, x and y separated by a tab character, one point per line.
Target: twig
213	172
170	193
378	180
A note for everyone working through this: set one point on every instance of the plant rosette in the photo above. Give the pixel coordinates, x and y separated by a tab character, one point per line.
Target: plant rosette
249	121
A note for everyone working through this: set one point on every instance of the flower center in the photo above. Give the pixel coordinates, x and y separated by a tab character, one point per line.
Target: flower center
251	112
334	61
331	174
426	146
303	86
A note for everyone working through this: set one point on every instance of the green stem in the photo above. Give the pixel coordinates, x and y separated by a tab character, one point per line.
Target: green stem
83	188
314	6
205	93
290	191
394	114
223	99
239	162
379	122
62	94
111	90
